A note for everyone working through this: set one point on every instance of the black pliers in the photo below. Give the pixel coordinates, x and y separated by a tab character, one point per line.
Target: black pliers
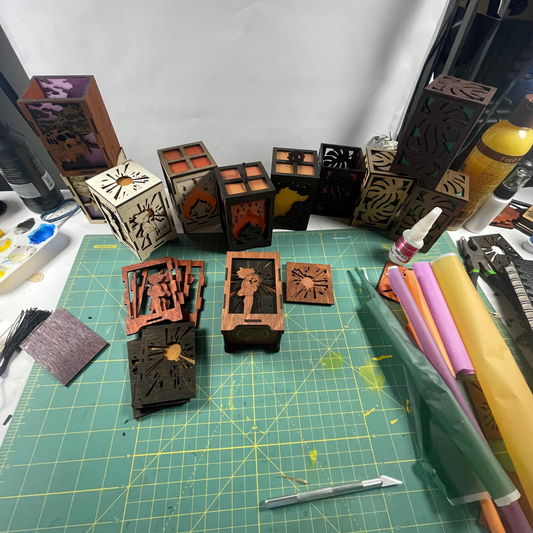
476	265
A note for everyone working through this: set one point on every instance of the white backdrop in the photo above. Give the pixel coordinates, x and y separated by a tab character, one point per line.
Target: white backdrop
241	75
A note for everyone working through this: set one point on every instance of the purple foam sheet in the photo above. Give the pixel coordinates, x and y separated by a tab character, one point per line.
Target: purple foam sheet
68	136
63	87
63	345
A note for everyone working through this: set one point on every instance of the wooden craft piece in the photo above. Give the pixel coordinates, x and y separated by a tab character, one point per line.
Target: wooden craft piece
445	115
189	171
156	292
81	193
160	289
295	176
247	208
309	283
184	271
384	287
450	195
342	170
134	355
68	115
383	193
252	310
63	345
166	370
135	205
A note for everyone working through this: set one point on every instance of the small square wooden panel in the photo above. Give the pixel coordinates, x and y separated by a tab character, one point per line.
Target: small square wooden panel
309	283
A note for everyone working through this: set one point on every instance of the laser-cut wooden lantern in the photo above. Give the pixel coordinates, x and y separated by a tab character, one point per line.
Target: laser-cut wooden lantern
247	205
69	116
342	170
252	309
189	171
450	195
295	176
383	193
134	204
445	115
81	193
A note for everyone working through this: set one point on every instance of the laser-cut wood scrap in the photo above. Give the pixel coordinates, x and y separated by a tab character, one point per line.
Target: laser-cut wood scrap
252	310
309	283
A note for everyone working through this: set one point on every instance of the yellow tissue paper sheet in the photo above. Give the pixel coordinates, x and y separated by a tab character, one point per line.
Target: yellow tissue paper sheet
506	390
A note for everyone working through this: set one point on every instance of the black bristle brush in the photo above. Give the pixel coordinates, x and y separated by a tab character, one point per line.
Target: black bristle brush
25	323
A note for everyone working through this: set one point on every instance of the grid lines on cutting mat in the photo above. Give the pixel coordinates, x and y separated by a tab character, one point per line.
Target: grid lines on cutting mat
74	460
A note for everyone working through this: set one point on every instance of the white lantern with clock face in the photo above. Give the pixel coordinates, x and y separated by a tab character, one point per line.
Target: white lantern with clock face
135	205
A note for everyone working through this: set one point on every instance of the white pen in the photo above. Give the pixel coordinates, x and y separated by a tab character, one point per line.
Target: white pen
310	495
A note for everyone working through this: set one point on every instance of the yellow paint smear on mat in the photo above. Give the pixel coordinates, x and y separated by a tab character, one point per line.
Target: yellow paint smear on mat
332	360
381	357
374	377
313	456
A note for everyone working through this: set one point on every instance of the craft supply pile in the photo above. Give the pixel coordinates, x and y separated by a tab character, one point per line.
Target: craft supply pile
411	193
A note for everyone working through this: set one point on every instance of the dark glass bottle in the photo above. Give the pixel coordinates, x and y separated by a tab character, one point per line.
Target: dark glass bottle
25	174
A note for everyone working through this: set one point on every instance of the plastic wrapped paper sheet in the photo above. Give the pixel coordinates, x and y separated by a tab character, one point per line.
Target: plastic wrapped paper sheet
454	455
505	388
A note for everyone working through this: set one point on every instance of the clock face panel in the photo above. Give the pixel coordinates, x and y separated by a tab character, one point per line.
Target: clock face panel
148	220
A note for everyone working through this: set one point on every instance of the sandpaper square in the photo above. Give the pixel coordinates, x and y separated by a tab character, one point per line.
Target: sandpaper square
63	345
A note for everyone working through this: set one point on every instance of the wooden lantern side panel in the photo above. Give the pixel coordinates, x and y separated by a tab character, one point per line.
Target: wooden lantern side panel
420	204
83	196
76	132
381	199
196	200
297	193
445	115
342	172
148	220
81	193
63	127
120	231
103	127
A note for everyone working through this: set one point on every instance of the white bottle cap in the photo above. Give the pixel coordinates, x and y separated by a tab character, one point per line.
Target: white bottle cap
419	231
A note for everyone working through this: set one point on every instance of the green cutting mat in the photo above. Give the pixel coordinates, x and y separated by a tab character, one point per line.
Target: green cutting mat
330	407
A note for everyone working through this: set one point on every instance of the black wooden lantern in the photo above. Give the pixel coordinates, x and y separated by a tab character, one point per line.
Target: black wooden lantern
247	205
295	176
342	170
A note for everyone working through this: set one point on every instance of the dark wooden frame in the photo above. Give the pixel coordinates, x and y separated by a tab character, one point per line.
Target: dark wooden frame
348	181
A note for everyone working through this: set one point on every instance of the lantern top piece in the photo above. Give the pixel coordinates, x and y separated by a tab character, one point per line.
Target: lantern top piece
120	184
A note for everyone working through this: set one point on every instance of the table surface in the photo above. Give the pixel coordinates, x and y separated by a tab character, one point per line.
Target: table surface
55	261
330	407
